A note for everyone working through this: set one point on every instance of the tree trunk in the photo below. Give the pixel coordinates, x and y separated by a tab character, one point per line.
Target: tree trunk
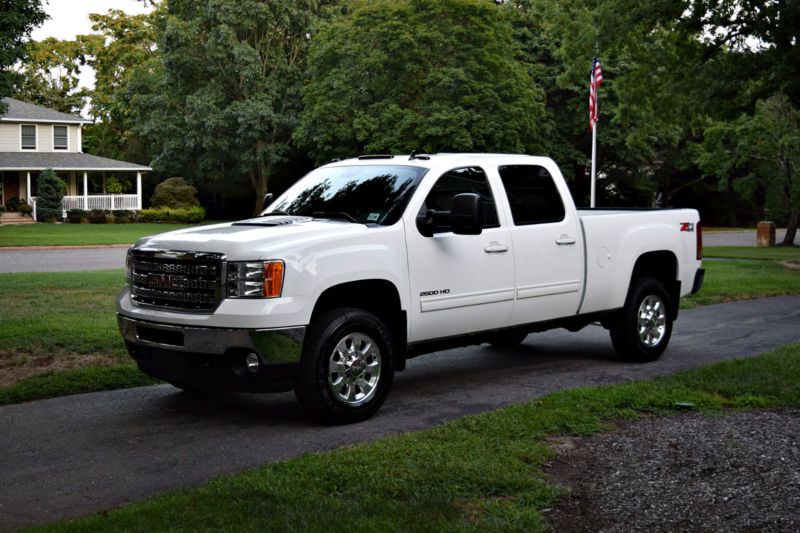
791	229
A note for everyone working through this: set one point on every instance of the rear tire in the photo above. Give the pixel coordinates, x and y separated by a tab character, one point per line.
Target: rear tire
642	329
347	366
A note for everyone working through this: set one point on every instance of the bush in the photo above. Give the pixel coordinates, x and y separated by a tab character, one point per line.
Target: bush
51	194
175	193
98	216
121	216
12	204
26	209
191	215
2	209
77	216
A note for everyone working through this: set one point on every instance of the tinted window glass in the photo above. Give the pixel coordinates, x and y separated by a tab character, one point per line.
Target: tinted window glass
461	180
369	194
532	194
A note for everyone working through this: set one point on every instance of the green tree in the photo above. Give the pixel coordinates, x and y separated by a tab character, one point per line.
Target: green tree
426	75
760	152
17	19
49	198
51	72
225	99
126	59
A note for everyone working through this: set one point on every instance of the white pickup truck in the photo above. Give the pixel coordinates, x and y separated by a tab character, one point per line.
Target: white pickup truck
368	262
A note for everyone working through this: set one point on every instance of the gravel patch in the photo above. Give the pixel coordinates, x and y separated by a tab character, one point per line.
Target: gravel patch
736	472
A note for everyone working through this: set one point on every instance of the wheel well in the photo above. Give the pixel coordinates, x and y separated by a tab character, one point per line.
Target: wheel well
663	266
377	296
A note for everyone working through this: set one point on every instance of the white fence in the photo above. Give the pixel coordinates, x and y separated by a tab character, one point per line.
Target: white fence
107	202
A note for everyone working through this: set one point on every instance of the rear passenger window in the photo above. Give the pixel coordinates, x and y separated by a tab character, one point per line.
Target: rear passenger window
461	180
532	194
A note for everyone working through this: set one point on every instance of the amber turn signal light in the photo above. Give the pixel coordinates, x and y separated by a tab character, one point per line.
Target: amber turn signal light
273	279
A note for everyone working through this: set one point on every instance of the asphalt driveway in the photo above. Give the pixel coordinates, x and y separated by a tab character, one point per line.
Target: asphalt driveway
77	455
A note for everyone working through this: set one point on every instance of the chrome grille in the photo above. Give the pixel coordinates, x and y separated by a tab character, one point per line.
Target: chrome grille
189	281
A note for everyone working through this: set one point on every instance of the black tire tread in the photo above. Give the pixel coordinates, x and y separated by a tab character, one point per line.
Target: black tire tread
624	337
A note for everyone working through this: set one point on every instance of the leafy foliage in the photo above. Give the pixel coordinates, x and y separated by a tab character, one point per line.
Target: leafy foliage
419	75
175	193
17	19
50	196
760	153
52	70
224	99
182	215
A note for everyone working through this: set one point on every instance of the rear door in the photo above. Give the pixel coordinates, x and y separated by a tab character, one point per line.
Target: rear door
547	244
460	283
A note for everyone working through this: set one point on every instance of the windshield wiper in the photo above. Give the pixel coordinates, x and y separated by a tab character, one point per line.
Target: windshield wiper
335	214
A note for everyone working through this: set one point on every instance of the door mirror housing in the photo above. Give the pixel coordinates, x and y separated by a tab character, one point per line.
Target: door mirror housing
464	218
466	214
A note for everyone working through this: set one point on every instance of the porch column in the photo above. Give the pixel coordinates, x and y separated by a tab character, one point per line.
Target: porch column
139	191
28	192
85	190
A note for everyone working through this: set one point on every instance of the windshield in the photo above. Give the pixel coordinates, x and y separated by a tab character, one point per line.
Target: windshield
367	194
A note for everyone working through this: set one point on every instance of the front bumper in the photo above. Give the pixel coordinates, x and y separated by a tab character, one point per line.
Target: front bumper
214	358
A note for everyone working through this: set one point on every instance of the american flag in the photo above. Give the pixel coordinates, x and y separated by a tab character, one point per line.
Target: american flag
596	79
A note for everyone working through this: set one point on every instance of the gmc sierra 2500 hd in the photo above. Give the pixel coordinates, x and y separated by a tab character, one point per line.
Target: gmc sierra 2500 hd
365	263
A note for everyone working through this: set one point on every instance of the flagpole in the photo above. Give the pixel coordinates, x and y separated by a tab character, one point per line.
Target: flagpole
594	162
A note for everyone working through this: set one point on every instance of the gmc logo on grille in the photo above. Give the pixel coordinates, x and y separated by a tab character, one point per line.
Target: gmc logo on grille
165	281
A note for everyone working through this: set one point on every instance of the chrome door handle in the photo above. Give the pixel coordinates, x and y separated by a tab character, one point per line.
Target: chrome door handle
495	248
565	239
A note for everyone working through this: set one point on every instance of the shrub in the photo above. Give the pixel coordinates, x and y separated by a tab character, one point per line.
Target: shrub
175	193
12	204
51	194
98	216
26	209
77	216
121	216
2	209
191	215
116	186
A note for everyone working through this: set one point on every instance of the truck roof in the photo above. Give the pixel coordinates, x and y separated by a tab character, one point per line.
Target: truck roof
431	161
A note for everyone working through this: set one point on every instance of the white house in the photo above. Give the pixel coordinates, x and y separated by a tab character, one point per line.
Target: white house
34	138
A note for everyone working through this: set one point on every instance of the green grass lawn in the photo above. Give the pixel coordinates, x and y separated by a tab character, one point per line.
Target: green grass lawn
79	234
478	473
54	321
780	253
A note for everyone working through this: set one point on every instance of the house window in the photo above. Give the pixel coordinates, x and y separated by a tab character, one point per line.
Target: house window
60	138
28	137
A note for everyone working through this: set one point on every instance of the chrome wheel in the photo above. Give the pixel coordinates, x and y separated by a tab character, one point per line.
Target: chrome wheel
652	320
354	369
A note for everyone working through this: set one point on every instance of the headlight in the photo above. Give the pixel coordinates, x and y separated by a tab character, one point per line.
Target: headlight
255	279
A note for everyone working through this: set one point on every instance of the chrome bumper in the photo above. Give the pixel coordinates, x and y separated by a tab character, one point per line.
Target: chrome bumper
274	346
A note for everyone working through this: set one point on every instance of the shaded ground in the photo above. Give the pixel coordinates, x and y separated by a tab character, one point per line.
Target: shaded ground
16	365
734	472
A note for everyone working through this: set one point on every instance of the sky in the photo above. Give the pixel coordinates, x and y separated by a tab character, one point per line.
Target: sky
69	18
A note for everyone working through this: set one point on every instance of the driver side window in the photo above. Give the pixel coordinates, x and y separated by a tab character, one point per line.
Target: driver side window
458	181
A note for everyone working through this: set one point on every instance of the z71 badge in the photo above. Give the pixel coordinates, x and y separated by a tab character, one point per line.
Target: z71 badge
434	293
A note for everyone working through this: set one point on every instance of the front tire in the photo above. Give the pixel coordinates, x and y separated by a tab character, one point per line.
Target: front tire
642	330
347	366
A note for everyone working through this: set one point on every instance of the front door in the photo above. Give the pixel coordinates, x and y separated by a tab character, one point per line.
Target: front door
460	283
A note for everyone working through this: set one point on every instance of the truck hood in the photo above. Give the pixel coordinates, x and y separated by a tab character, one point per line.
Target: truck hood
255	238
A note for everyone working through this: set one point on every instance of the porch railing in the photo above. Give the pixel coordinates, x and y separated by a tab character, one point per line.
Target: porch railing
107	202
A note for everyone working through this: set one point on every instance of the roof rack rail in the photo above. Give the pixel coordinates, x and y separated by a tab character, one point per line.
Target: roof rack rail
414	155
376	156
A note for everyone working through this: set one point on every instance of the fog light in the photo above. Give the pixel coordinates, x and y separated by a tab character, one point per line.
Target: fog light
252	362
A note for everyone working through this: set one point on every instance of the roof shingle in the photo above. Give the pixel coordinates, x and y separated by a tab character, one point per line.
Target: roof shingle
19	111
63	161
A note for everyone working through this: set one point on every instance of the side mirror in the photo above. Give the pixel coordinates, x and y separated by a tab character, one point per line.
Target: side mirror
464	218
268	199
466	214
